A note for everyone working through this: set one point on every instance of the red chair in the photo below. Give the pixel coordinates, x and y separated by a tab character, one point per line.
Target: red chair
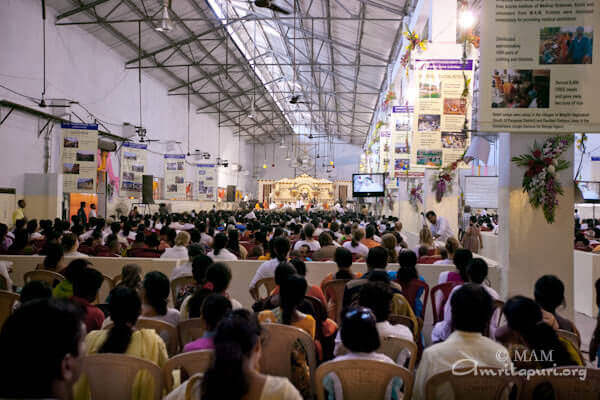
444	289
88	250
411	292
429	259
144	253
431	252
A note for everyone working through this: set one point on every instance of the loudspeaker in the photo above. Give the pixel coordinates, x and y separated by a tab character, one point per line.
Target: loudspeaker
231	193
147	191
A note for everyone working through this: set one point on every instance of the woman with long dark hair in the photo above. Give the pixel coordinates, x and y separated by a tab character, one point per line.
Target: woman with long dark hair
156	289
123	338
220	252
235	373
355	246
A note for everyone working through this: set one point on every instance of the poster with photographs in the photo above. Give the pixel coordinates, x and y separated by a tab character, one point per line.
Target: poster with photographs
78	149
385	150
174	177
438	136
206	182
401	140
539	66
133	167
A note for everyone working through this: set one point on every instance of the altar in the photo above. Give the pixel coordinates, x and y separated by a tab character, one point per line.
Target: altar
303	189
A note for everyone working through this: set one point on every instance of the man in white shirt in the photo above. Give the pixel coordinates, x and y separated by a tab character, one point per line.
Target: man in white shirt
440	228
466	347
70	245
309	232
281	248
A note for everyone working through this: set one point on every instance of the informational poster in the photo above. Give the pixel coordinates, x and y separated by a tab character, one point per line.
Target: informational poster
175	176
78	149
133	167
206	187
441	109
481	191
385	144
540	66
401	140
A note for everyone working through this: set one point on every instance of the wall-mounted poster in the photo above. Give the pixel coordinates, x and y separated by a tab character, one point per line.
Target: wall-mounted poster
206	187
174	177
385	145
78	149
401	140
442	106
133	167
540	66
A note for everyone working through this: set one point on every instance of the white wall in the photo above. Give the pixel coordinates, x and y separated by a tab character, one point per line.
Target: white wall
81	68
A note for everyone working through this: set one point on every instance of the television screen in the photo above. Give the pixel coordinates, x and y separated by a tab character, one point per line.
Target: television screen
368	185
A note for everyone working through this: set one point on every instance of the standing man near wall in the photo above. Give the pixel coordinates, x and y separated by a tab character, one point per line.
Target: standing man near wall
19	213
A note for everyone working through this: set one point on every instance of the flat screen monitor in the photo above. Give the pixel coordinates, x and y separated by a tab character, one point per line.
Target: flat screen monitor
368	185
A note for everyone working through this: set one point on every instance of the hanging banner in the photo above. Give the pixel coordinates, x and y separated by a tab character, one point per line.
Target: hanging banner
78	149
175	176
401	140
540	66
441	107
207	182
133	167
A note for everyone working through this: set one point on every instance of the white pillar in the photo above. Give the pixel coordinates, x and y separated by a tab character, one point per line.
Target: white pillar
528	246
448	207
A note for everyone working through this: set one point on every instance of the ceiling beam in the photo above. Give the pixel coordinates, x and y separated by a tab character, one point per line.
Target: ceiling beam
80	9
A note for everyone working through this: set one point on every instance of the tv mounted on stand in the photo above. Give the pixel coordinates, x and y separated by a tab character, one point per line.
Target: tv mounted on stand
368	185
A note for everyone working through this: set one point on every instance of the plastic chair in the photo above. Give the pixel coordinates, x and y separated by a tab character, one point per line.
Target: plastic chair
438	309
268	283
179	283
188	364
396	319
166	331
363	379
470	384
111	376
7	301
393	346
190	330
277	346
50	277
571	386
117	279
411	293
107	285
334	293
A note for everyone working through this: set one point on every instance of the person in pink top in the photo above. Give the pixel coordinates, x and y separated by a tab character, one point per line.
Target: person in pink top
212	310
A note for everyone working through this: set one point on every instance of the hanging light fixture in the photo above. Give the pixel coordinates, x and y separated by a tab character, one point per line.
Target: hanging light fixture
166	24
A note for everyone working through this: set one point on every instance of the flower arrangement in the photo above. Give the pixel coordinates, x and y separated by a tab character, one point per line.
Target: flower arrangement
416	196
442	181
581	142
389	97
379	124
540	181
414	43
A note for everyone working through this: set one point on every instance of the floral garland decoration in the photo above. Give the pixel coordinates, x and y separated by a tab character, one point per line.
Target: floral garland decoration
389	97
416	196
540	181
442	181
414	43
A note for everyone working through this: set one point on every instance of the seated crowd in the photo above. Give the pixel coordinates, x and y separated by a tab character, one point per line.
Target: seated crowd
53	328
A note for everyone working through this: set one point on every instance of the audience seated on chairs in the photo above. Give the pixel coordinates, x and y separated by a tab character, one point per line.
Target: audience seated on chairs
42	349
452	245
34	290
212	310
282	272
54	260
472	309
477	273
527	330
281	247
343	259
123	338
461	260
64	290
549	293
234	374
369	239
233	243
218	277
327	250
307	238
156	289
292	292
407	276
425	240
200	265
220	252
389	242
70	244
179	251
185	268
376	260
313	290
355	246
85	289
131	277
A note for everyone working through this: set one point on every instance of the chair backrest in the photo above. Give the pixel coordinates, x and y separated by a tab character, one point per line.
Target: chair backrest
393	346
112	376
334	293
43	275
117	279
166	331
269	285
7	301
429	259
574	385
179	283
190	330
320	310
188	364
277	347
420	289
396	319
438	304
474	384
362	379
107	285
